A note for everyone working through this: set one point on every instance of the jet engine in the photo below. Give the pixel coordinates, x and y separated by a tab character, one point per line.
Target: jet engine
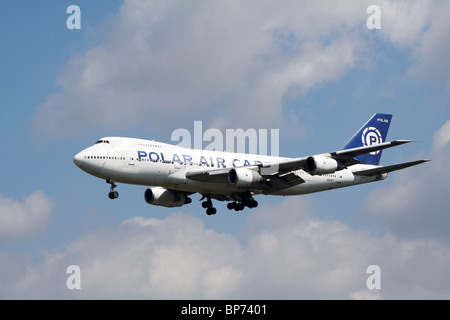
243	177
320	165
166	198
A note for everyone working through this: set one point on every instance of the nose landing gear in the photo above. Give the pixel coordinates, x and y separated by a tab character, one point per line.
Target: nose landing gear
112	193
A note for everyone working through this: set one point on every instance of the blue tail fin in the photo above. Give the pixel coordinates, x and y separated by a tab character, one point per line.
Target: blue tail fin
373	132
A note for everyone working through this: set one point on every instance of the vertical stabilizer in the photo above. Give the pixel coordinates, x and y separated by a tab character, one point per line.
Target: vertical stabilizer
373	132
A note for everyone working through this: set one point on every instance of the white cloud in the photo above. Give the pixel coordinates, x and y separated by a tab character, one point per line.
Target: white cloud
231	64
142	258
404	22
173	62
284	253
416	202
422	26
26	218
441	137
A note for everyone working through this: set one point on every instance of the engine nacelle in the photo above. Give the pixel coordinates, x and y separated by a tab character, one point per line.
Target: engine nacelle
166	198
321	165
243	177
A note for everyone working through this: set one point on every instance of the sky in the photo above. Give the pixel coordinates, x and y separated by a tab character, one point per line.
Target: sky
311	69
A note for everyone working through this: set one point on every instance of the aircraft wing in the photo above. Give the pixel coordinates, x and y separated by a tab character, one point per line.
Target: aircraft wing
277	182
271	183
345	157
211	175
281	175
386	169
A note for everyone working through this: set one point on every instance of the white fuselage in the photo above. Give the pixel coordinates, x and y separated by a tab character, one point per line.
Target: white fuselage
152	163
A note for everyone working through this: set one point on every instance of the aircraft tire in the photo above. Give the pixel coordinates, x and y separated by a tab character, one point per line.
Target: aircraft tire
113	195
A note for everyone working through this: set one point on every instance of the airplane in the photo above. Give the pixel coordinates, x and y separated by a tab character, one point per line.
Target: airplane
175	173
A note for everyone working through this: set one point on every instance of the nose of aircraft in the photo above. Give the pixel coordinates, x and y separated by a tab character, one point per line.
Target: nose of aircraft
78	159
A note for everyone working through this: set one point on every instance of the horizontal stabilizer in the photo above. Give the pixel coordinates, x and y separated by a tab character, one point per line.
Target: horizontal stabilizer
386	169
354	152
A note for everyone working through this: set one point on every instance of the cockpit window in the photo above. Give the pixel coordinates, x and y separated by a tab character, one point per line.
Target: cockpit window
102	141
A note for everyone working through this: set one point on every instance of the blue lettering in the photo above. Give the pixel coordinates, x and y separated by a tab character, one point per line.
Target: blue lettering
141	154
187	159
175	158
203	161
246	163
234	162
152	155
220	161
257	162
162	157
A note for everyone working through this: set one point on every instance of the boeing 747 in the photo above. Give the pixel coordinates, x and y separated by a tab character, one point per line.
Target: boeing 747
174	173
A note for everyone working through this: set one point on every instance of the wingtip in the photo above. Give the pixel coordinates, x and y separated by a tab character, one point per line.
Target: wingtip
404	141
422	161
407	141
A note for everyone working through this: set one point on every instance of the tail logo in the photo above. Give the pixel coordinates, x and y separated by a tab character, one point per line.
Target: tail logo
370	136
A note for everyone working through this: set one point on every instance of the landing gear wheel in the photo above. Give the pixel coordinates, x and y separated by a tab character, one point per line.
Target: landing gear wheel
113	195
252	203
247	201
211	211
207	204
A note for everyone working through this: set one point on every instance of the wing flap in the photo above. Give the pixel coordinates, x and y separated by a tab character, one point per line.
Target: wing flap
274	183
214	175
270	184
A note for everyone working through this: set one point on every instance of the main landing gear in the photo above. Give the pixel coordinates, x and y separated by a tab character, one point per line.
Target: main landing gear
238	206
242	201
246	201
210	210
112	193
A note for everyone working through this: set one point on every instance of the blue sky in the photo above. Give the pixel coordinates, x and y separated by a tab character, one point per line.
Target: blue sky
145	68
